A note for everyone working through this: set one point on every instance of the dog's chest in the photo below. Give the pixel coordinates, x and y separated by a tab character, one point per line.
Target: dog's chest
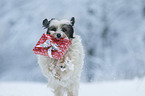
59	68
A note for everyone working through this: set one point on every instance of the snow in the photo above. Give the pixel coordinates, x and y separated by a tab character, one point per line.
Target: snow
118	88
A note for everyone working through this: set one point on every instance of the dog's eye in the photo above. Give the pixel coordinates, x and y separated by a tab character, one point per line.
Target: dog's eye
64	30
52	28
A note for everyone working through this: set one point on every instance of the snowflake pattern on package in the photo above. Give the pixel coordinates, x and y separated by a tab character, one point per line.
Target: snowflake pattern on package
51	46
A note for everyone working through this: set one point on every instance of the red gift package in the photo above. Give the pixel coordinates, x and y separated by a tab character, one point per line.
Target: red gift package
51	46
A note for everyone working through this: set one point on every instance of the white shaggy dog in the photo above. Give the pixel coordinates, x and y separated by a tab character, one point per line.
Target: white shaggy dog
63	75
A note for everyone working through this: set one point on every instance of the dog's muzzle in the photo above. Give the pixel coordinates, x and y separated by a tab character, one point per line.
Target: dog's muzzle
58	35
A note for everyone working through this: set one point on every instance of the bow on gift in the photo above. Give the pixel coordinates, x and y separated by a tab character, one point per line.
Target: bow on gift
51	46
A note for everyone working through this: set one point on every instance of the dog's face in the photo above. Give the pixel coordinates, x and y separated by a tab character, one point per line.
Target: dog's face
60	29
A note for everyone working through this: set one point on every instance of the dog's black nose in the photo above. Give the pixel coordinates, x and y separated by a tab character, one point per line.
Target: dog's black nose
58	35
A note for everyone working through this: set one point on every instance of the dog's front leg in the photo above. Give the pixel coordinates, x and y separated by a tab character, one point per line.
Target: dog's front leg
73	89
70	93
59	91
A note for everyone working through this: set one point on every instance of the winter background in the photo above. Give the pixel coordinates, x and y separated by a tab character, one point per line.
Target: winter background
113	33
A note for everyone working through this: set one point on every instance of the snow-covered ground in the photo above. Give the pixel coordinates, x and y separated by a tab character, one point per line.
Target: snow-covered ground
117	88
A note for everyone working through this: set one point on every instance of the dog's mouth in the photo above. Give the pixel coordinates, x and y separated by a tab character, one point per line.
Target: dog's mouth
58	35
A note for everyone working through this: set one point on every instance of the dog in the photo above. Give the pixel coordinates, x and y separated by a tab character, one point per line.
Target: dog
63	75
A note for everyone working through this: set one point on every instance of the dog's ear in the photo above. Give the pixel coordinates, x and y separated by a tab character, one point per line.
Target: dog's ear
72	21
46	23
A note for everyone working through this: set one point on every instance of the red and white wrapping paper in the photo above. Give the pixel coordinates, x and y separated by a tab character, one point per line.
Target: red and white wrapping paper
51	46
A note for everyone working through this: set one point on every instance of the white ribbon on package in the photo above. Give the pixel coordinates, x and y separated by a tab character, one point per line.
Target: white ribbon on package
52	46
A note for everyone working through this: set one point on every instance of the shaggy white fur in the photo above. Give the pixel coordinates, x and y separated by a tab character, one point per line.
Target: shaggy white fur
58	23
64	79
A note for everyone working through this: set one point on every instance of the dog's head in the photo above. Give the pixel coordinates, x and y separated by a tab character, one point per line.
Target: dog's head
60	28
